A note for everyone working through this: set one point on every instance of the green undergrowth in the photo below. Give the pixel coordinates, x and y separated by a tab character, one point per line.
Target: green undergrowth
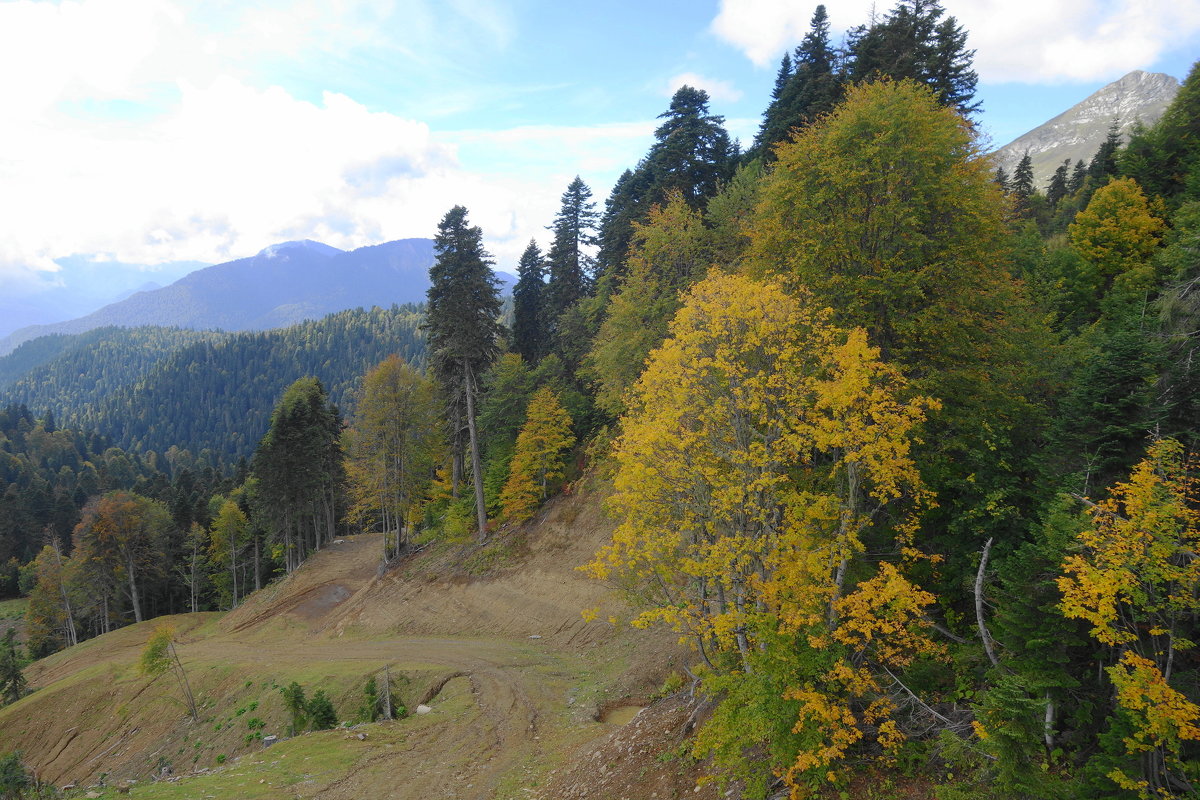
13	609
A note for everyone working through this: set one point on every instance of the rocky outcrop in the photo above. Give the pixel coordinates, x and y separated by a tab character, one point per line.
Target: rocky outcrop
1080	130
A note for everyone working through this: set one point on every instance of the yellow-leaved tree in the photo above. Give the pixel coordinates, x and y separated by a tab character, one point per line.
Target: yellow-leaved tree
391	448
762	447
1137	581
538	461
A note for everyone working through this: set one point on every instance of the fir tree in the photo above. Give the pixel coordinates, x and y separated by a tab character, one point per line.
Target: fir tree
914	41
693	153
806	87
463	329
1022	180
628	202
529	324
1001	179
1057	189
300	472
1104	163
569	262
1078	177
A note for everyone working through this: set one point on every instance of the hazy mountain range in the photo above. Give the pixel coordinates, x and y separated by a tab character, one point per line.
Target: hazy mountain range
281	285
1080	130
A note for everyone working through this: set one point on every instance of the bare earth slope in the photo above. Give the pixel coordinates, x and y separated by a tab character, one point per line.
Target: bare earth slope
491	638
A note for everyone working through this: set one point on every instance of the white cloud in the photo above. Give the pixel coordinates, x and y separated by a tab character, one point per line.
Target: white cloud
197	162
717	89
234	168
1073	40
1030	41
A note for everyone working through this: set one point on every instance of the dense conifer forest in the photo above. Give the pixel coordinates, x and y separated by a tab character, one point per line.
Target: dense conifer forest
905	447
151	389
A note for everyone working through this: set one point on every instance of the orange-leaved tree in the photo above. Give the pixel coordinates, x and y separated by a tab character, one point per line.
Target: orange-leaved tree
762	446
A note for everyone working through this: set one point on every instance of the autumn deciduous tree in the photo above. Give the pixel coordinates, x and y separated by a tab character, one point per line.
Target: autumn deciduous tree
886	212
51	618
539	459
1117	234
227	538
126	534
393	444
1136	582
760	445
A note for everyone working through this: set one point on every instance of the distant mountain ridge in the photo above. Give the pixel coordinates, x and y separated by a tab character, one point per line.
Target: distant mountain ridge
1080	130
282	285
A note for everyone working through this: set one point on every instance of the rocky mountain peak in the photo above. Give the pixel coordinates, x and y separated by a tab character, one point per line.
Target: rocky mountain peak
1080	130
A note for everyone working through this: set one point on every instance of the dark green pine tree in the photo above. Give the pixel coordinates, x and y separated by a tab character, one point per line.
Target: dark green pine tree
628	202
1078	177
693	153
807	86
568	261
1021	185
530	337
1001	179
463	330
1058	188
1104	163
1165	159
299	467
914	41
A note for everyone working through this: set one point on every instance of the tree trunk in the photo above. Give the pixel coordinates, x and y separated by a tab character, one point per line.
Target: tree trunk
134	597
983	631
72	636
233	569
476	465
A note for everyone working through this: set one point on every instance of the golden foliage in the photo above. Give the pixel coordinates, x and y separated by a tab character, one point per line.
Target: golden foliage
538	461
1136	582
760	444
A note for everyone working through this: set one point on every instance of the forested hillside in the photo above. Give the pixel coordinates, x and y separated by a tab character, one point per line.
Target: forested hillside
903	446
83	368
151	389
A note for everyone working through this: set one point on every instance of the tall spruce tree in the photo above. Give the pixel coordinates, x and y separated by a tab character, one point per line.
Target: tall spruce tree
462	326
569	261
1104	163
627	203
914	41
1057	189
300	473
807	85
1078	177
693	153
530	337
1022	180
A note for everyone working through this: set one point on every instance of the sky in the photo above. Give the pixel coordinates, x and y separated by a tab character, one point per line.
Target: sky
137	134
